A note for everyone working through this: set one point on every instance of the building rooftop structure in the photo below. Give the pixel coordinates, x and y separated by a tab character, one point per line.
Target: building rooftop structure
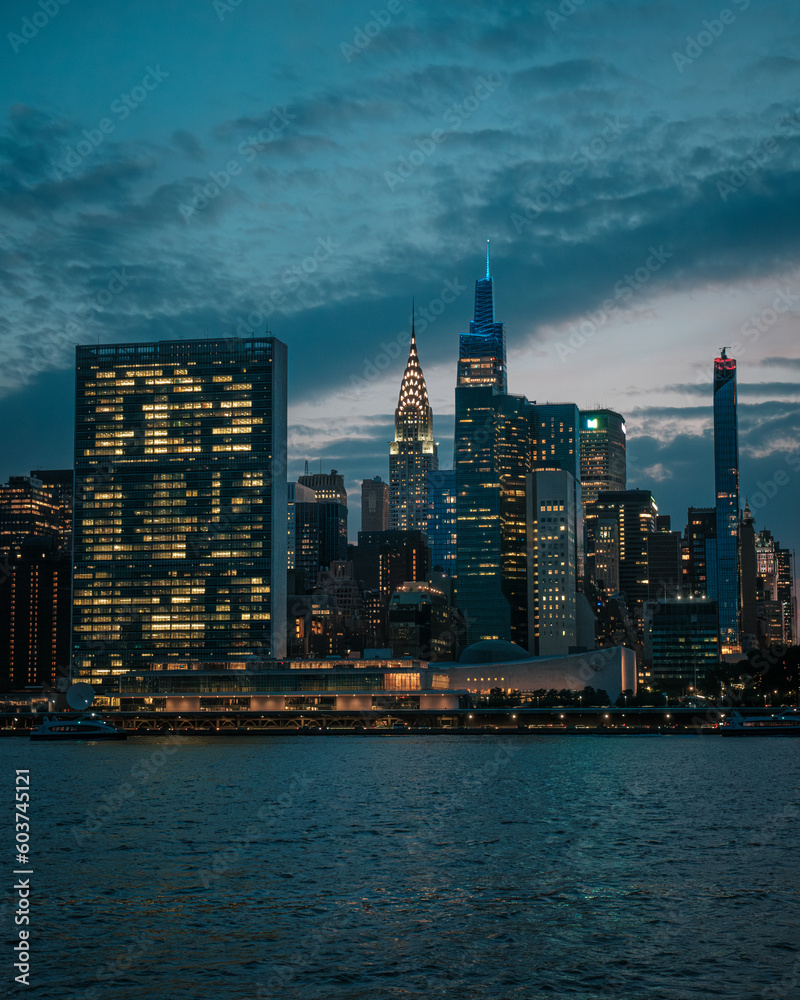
353	685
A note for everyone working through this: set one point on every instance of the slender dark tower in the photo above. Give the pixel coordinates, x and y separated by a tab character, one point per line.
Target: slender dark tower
726	482
413	453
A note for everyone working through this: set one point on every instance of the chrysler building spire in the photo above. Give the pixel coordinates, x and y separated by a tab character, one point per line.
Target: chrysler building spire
413	453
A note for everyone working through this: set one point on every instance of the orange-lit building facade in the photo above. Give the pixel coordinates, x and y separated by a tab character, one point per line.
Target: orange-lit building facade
180	505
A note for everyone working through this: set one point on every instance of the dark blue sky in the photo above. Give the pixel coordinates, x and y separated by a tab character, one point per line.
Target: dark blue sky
197	168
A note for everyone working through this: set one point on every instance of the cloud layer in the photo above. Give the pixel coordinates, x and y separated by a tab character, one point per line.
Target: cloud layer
310	172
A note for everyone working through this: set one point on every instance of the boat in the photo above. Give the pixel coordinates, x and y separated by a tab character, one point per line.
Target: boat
84	727
786	723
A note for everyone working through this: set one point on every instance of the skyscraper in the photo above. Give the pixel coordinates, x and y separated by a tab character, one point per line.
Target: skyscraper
683	640
602	446
554	443
374	505
553	562
774	567
35	577
635	512
539	559
413	453
480	394
303	550
602	452
501	440
664	569
726	482
699	560
180	502
482	351
492	441
326	485
442	523
30	507
330	497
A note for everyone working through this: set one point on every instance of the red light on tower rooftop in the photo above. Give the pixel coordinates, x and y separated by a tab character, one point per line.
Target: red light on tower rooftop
723	362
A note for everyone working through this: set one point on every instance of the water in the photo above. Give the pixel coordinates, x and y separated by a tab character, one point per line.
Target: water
410	866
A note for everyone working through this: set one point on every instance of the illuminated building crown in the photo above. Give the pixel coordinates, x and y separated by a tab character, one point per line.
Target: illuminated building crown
413	407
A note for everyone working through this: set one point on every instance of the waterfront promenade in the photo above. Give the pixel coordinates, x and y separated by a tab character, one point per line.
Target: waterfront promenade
510	722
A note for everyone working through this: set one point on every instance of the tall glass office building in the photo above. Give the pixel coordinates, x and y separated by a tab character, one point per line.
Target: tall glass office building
441	527
482	351
603	463
501	441
180	503
492	441
726	481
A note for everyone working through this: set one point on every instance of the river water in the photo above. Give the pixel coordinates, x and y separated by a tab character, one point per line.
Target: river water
410	866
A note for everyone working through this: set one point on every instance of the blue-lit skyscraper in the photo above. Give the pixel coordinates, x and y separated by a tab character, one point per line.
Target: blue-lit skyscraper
482	351
492	439
726	482
501	441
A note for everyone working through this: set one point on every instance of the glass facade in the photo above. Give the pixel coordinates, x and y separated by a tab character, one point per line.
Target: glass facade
684	640
539	560
441	528
726	480
554	437
374	505
635	512
492	441
701	527
35	578
553	562
330	509
603	464
774	567
29	507
482	351
180	502
500	439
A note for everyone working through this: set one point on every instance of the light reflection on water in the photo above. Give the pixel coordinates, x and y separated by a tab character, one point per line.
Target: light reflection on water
413	866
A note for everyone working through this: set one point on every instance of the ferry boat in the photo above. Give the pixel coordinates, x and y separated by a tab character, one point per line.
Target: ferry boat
786	723
85	727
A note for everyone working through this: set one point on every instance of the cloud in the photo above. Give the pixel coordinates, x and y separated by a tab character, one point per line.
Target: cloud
780	362
188	143
658	472
571	215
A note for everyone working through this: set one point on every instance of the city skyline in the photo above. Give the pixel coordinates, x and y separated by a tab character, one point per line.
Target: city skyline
631	219
266	269
764	494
